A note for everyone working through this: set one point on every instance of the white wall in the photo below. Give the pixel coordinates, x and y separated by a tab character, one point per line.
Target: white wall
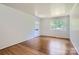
46	29
74	27
15	26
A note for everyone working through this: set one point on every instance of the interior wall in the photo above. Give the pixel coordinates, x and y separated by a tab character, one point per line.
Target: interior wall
15	26
46	29
74	27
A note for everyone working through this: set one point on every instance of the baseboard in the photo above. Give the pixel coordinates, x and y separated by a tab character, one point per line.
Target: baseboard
74	47
54	37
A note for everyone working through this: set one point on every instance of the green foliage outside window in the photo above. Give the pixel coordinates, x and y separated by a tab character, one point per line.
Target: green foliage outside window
57	24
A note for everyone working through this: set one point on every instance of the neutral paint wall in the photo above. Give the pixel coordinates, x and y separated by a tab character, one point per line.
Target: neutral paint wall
15	26
46	29
74	27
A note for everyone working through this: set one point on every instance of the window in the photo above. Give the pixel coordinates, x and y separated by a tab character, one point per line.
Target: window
59	23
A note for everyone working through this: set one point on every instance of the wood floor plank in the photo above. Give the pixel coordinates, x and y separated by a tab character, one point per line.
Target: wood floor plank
41	46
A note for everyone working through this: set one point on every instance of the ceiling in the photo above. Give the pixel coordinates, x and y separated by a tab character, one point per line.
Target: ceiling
43	10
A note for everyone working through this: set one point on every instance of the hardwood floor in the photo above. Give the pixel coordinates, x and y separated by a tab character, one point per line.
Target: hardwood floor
41	46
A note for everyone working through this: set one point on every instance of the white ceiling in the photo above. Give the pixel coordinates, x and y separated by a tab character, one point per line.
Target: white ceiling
43	9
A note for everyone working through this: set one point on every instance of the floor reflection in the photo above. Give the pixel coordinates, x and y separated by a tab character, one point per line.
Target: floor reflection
56	47
51	46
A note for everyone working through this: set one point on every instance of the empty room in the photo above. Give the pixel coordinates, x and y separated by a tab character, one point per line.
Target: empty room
39	29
